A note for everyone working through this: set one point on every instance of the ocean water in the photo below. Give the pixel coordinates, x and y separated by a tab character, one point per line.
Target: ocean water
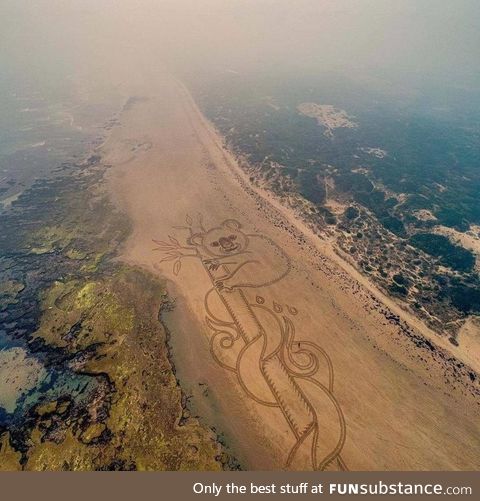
47	123
43	125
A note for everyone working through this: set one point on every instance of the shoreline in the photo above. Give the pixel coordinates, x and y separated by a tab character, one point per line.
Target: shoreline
92	327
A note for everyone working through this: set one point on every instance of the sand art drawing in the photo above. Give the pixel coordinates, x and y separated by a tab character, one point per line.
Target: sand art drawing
254	337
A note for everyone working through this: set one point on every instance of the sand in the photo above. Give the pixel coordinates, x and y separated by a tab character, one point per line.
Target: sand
376	396
327	116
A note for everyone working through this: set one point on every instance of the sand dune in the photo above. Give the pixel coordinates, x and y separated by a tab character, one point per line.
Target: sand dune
286	353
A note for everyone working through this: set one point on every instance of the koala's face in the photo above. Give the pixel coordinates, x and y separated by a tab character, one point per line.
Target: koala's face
224	240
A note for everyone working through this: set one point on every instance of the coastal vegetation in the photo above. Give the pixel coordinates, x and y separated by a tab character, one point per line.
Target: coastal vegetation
401	171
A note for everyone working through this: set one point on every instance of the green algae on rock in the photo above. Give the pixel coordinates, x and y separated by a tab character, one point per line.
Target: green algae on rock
118	316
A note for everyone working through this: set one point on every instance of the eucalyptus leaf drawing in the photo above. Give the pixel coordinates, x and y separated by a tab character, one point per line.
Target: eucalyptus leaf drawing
177	267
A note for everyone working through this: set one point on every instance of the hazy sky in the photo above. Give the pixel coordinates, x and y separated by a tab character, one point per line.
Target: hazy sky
431	40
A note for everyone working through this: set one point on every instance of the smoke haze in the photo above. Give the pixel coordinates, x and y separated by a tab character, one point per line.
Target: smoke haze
433	42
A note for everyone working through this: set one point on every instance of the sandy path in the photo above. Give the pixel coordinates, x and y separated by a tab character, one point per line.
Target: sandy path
404	406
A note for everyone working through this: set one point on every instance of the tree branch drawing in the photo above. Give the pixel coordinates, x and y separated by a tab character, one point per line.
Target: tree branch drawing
174	250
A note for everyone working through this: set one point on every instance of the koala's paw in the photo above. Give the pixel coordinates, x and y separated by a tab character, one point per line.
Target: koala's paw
221	287
212	264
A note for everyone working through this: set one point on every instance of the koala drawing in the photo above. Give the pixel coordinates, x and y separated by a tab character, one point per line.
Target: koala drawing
236	259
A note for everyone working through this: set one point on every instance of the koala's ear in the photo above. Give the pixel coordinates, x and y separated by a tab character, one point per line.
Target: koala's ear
232	224
196	239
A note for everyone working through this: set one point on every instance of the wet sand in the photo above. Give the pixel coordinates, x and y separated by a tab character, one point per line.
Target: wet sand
405	402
